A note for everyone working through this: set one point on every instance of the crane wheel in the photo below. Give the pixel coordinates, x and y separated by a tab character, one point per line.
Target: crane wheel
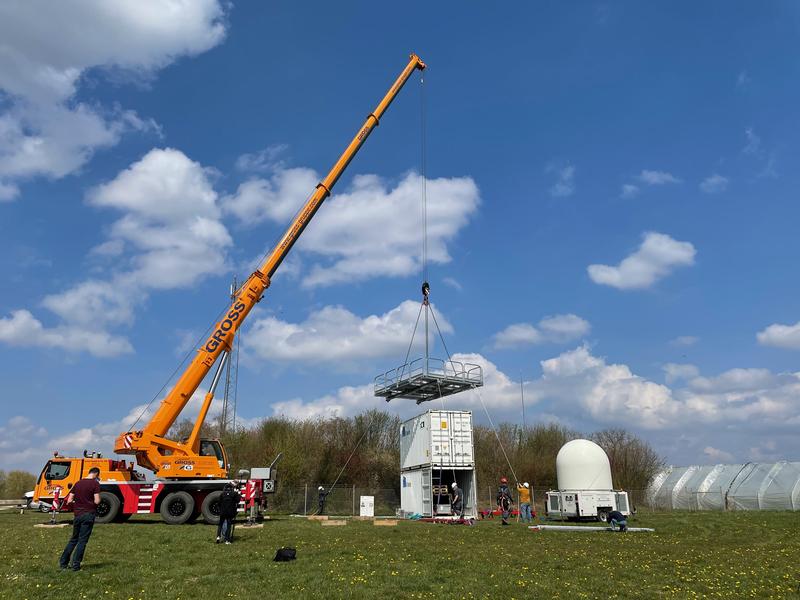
108	509
177	508
210	508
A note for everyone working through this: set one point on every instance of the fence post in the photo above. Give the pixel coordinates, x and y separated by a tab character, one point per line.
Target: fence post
354	499
305	500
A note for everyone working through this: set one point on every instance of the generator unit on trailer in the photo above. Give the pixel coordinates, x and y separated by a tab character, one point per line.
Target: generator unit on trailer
586	504
585	489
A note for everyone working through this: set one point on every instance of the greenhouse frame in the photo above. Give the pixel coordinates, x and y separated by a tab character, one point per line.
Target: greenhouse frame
748	486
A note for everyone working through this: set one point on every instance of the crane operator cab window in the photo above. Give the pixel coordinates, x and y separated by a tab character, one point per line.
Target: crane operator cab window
55	470
212	448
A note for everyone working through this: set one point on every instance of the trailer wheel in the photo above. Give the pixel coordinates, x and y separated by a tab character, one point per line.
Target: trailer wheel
177	508
108	509
210	508
602	516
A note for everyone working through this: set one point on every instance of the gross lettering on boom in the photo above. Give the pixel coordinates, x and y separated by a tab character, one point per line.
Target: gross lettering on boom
224	327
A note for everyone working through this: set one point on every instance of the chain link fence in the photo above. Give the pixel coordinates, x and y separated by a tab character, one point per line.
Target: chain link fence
346	499
342	500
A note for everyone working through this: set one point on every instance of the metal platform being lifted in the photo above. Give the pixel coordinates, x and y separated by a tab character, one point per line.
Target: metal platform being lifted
426	379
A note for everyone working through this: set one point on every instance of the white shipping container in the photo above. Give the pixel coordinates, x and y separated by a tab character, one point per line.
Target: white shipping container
427	491
437	438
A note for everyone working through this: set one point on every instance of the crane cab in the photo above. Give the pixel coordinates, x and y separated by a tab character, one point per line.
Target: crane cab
214	448
64	472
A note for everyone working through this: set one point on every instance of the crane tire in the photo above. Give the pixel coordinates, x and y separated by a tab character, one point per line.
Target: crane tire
210	507
108	509
177	508
123	517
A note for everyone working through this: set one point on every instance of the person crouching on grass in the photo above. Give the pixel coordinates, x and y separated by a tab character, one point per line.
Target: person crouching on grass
618	521
86	496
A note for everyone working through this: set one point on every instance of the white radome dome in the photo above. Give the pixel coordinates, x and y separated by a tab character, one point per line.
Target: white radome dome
583	465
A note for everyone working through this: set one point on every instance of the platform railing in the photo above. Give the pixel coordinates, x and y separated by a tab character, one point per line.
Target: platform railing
436	367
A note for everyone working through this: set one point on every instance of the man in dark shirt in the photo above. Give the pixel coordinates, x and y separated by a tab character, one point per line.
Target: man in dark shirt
322	496
504	500
86	496
617	520
228	507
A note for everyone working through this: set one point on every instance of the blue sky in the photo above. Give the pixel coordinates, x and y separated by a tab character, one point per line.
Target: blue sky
612	205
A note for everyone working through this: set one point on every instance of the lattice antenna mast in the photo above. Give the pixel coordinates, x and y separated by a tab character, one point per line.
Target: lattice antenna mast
228	417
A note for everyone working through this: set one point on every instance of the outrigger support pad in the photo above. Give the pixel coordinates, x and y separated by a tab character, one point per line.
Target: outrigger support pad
426	379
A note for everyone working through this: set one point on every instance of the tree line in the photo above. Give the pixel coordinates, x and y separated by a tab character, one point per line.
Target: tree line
315	451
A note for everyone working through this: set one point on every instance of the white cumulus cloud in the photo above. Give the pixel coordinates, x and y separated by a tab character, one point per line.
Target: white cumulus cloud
557	329
44	129
676	372
170	236
657	256
22	329
335	336
374	230
780	336
565	180
656	177
714	184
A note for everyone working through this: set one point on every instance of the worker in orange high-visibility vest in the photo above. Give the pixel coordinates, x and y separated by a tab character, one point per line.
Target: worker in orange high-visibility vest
524	491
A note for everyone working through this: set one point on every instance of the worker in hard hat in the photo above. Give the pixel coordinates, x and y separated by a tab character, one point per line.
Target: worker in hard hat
618	521
322	496
504	500
524	492
457	502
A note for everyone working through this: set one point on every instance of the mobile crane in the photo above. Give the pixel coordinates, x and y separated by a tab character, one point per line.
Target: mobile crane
191	473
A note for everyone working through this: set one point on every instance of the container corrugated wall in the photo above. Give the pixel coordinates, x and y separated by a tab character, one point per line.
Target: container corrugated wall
437	438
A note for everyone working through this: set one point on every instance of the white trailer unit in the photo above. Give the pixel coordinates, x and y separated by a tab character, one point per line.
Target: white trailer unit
437	438
579	504
427	491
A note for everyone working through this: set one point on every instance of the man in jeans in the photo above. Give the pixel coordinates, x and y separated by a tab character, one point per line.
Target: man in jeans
525	512
86	496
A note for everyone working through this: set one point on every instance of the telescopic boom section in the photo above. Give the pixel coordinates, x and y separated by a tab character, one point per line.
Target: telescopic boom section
152	450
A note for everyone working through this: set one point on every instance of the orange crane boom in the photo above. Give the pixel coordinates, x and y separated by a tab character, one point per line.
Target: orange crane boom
173	459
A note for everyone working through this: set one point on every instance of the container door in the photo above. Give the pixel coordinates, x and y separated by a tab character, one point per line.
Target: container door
411	492
461	438
622	502
470	488
441	451
415	442
427	492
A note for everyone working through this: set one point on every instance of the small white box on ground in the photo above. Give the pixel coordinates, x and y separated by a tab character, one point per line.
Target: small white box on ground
367	506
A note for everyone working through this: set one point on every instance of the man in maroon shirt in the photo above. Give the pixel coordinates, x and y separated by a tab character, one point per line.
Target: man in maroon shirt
86	496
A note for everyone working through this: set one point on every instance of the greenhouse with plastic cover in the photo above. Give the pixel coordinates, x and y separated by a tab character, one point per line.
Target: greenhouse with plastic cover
748	486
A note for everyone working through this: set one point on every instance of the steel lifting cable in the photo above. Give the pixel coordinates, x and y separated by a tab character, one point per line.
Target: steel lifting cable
424	174
191	350
496	435
335	481
256	264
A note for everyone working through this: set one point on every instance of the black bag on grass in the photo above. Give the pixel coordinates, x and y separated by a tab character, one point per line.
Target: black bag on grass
285	554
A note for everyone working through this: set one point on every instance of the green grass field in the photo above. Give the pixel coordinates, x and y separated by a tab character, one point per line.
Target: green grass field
691	555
